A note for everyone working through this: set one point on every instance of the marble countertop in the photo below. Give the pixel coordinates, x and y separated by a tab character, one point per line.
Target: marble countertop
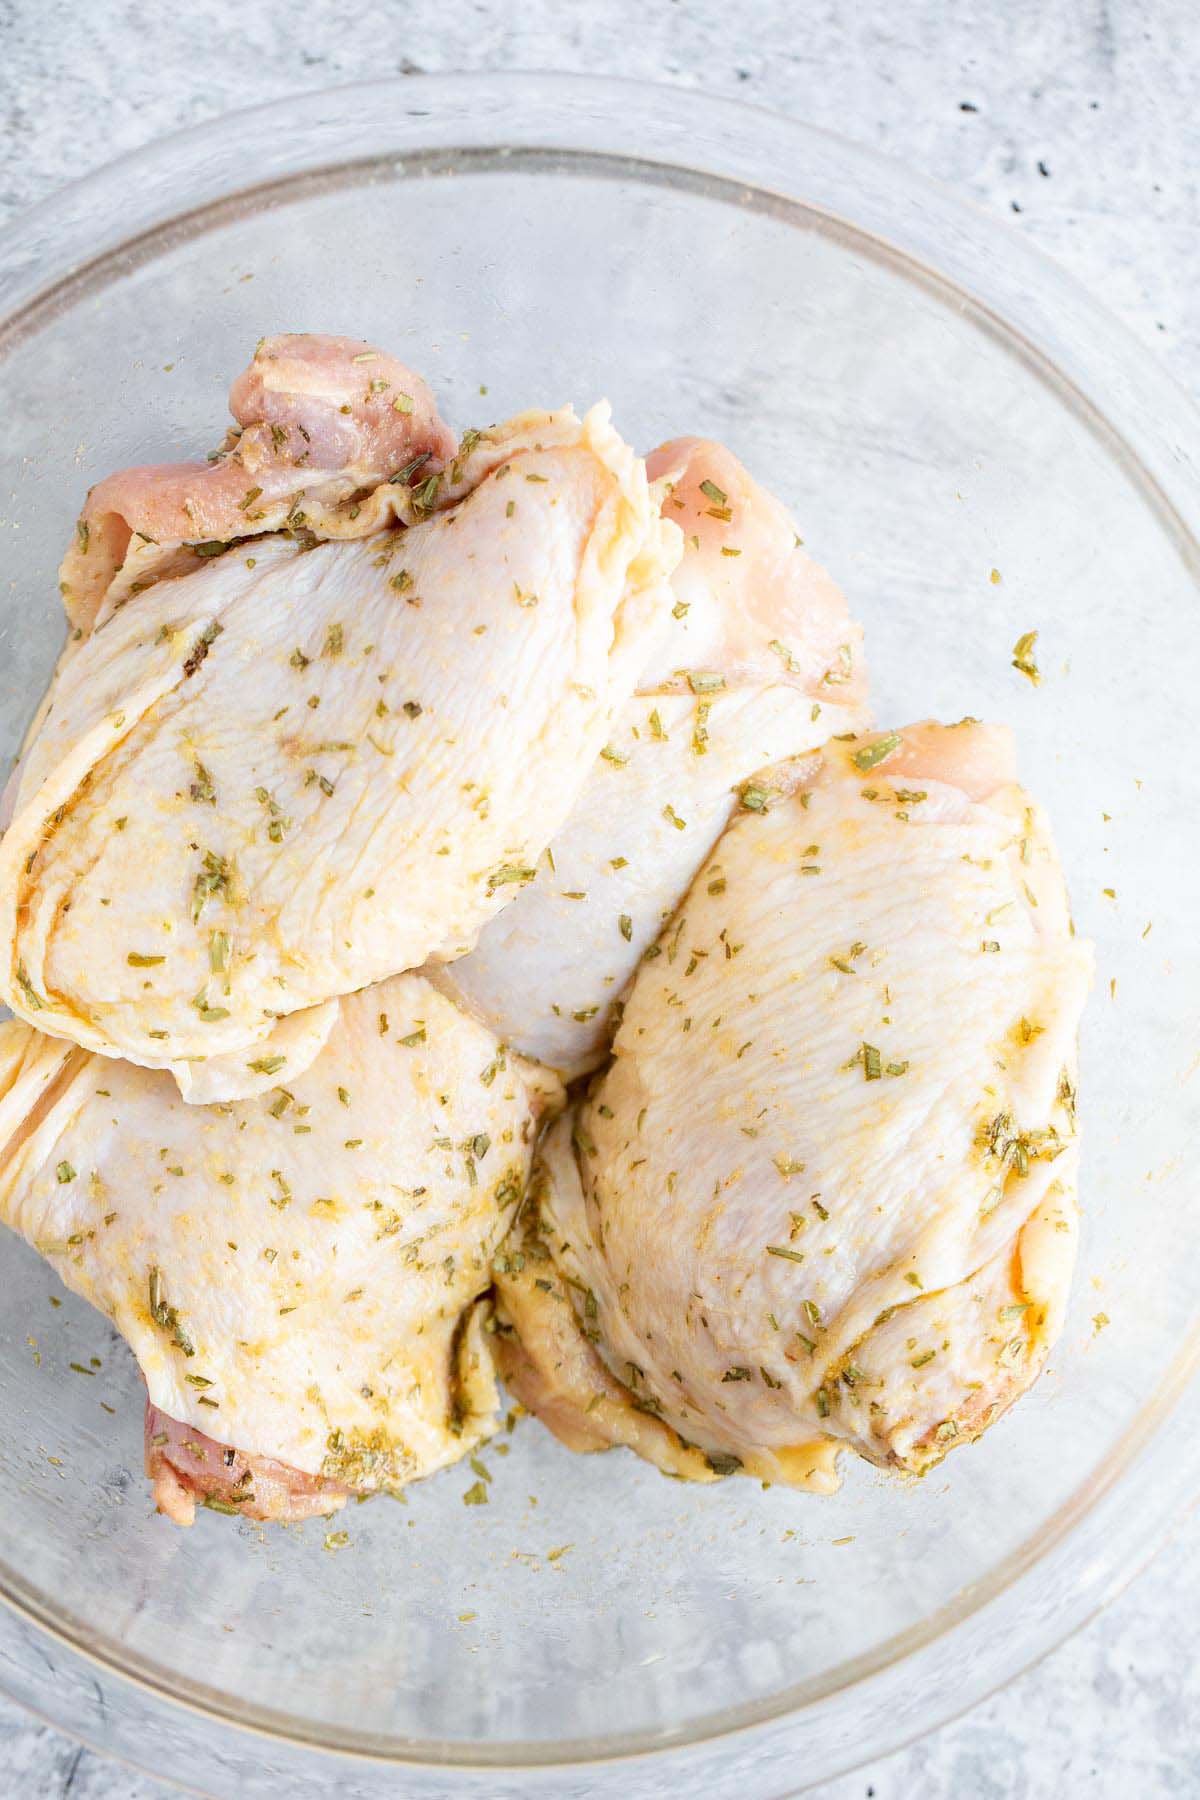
1076	119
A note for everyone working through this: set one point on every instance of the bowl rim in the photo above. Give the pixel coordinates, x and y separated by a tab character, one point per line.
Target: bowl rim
1012	290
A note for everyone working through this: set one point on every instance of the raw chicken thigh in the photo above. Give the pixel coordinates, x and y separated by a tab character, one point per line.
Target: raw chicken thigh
295	770
334	439
299	1276
825	1194
759	661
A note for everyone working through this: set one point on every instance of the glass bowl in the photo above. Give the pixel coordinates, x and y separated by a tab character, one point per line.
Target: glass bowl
936	403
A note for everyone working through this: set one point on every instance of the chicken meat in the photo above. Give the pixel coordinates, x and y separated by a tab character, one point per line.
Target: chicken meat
331	434
824	1195
300	768
300	1275
759	661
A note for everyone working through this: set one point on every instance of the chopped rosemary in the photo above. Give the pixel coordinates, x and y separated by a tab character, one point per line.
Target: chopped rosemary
209	1015
871	755
202	790
786	657
200	648
215	877
1024	659
509	872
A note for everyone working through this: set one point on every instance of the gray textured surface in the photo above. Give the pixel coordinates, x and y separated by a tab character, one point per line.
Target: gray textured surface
1086	121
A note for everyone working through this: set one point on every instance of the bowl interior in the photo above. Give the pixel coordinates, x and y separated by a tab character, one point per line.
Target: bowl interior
922	447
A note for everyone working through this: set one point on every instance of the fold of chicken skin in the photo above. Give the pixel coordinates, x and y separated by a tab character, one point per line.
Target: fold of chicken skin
758	661
547	1343
300	1275
322	422
825	1194
296	771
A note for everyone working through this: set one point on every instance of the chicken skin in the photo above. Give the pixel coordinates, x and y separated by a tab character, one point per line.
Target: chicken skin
299	1275
298	770
759	661
824	1196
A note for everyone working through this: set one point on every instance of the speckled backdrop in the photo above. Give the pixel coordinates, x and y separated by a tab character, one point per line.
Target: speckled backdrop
1079	120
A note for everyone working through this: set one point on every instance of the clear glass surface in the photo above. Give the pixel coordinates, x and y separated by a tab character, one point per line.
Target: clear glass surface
935	402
